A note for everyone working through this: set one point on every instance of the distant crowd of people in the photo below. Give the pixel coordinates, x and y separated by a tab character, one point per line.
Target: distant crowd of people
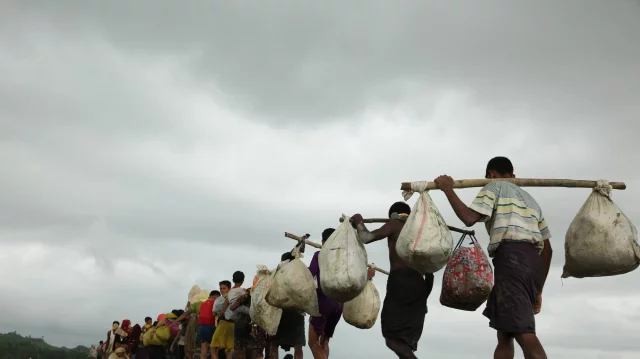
218	324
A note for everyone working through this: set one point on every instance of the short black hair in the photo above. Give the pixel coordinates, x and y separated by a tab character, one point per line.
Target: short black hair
288	356
502	165
147	319
286	257
116	322
237	277
177	312
214	292
399	207
225	283
327	233
101	342
155	323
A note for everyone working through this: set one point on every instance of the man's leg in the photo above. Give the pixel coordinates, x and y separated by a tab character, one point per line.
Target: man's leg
273	351
402	349
504	349
325	344
314	343
204	347
297	352
531	346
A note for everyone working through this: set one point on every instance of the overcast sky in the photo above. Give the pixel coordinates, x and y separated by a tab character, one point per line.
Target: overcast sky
149	146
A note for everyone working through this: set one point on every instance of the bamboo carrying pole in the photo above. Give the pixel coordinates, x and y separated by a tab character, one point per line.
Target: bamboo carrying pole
469	232
319	246
522	182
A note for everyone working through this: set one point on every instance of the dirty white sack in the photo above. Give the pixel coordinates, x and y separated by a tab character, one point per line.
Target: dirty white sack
343	264
262	313
601	240
362	311
293	287
425	242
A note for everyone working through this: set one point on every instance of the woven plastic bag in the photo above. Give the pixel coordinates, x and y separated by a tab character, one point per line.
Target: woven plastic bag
468	277
293	287
362	311
601	241
262	313
425	242
343	264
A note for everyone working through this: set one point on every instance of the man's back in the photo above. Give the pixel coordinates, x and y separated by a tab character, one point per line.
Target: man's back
510	213
396	227
205	314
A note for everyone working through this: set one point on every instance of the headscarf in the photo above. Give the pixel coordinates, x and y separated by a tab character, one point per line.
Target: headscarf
126	324
161	317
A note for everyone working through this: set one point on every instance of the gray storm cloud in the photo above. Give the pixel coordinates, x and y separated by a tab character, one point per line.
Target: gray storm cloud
157	145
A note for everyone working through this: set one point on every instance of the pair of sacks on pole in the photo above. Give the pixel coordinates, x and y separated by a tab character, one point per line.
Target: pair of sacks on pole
344	268
601	241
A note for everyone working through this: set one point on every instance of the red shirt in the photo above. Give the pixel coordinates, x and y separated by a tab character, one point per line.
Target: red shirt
206	316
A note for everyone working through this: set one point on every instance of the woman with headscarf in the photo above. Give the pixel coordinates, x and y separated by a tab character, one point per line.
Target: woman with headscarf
122	335
134	339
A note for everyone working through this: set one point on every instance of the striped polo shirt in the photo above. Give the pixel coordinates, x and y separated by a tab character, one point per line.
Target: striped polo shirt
511	214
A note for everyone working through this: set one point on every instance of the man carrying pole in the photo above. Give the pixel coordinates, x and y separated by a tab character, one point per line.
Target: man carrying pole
519	245
405	304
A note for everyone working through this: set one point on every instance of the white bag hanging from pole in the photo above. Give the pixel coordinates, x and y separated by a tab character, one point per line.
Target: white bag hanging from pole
293	287
425	243
343	264
262	313
362	311
601	241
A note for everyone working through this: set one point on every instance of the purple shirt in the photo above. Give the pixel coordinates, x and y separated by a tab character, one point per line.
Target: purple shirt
326	304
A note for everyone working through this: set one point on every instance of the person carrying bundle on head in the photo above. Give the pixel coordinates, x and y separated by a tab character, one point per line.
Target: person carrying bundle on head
521	251
405	303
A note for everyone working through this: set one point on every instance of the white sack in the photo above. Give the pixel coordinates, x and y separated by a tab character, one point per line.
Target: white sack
425	242
218	305
293	287
343	264
262	313
362	311
601	241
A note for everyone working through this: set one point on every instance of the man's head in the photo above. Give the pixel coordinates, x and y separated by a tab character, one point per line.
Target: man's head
237	278
288	356
326	234
499	167
214	294
399	208
115	325
148	320
225	285
101	342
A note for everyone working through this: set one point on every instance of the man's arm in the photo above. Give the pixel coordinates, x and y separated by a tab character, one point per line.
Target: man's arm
226	305
468	216
367	236
238	302
185	314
